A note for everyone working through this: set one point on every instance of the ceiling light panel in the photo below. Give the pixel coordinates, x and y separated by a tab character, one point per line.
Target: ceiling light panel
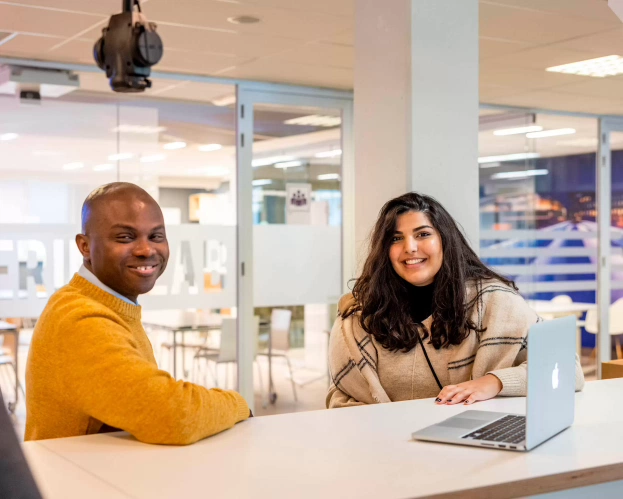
315	120
517	131
288	164
519	174
490	161
600	67
329	154
551	133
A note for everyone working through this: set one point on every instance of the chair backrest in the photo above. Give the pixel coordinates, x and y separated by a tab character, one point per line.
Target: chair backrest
229	341
616	318
280	329
562	299
228	351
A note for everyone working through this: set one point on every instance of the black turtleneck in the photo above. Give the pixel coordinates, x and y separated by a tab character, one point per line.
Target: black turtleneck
421	301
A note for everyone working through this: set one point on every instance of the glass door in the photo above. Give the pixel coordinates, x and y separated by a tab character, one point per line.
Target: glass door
609	208
293	164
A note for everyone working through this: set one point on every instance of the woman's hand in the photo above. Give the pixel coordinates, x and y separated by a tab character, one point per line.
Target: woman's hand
484	388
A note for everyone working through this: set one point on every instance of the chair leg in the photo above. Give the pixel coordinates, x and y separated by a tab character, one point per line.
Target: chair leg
291	378
618	347
215	373
259	378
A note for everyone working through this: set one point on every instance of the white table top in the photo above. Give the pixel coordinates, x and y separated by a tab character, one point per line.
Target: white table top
549	307
56	476
356	452
181	319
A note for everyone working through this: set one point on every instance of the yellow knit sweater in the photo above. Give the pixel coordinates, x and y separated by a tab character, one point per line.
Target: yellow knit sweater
91	363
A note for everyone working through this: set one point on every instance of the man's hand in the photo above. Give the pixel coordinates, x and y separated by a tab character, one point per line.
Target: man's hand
484	388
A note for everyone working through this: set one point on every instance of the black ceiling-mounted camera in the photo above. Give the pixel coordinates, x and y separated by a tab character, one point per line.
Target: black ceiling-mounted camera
128	48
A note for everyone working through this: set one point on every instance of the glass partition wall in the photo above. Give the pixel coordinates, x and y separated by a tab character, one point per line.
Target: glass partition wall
181	141
557	254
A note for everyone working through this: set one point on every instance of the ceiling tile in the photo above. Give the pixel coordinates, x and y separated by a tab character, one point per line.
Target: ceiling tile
333	7
602	44
80	51
343	38
196	62
46	22
532	26
296	74
495	47
26	45
551	99
587	9
200	92
525	79
241	45
105	7
320	54
608	88
282	22
538	58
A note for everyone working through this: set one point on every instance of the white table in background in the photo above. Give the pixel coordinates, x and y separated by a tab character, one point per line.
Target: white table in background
181	321
363	452
560	309
555	310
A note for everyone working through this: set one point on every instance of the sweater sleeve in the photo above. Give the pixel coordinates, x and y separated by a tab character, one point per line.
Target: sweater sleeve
108	379
336	398
503	346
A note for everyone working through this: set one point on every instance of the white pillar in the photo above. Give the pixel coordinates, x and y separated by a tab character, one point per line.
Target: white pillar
416	107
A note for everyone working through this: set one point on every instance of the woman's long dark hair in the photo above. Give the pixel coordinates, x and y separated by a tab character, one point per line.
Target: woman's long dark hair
382	295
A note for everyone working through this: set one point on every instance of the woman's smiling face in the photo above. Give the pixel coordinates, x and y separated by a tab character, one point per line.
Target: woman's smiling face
416	251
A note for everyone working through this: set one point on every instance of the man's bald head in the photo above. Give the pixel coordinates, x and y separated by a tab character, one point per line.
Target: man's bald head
123	238
115	190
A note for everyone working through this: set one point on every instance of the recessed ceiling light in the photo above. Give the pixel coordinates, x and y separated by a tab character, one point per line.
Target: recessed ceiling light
491	160
262	181
518	130
315	120
210	147
551	133
139	129
152	158
5	137
288	164
104	167
519	174
600	67
73	166
329	176
270	161
329	154
243	20
121	156
172	146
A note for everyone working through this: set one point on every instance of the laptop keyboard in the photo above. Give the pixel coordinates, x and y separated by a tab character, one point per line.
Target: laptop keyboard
509	429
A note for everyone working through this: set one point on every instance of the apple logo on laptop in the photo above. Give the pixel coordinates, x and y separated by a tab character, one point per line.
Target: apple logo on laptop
555	377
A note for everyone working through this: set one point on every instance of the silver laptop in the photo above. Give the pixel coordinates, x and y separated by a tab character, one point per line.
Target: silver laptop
550	402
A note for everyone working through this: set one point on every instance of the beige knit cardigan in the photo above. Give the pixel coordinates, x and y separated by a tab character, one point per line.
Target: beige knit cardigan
364	372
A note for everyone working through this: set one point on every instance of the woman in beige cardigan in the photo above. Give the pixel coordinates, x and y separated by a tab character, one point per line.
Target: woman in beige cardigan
427	318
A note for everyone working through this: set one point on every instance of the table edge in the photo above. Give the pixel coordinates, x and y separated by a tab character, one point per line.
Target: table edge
540	485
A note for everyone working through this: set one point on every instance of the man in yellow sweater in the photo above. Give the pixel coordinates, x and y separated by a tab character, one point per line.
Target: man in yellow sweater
91	366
